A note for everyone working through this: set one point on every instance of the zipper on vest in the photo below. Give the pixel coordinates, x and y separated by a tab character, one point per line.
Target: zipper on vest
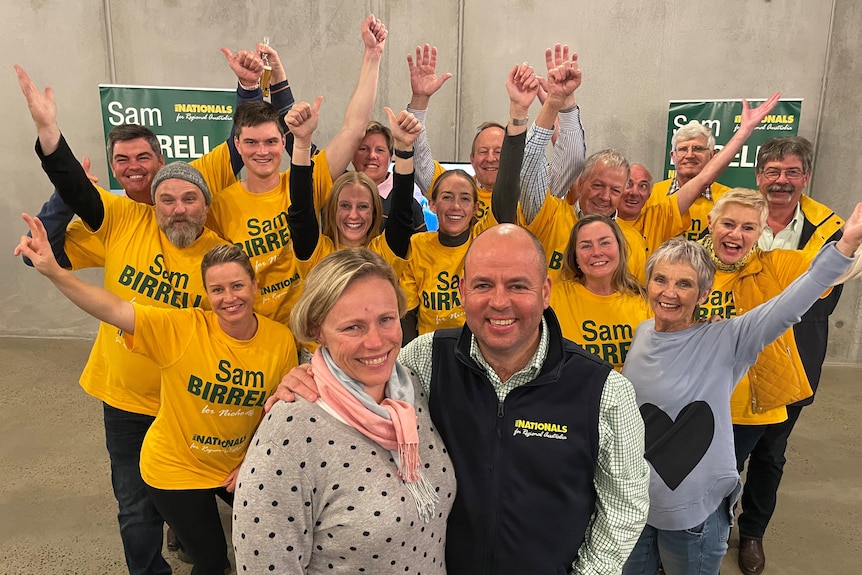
494	496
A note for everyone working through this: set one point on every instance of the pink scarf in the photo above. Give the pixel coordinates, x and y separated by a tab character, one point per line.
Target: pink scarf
398	433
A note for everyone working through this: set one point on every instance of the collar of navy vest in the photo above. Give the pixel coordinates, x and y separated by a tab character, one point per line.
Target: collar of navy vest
552	365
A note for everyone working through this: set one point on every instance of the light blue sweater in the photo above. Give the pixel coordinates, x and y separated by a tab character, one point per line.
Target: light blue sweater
683	381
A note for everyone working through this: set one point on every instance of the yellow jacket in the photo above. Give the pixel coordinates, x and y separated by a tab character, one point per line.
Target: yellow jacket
777	378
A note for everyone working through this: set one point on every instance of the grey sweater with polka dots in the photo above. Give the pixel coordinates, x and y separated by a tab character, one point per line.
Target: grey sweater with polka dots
316	496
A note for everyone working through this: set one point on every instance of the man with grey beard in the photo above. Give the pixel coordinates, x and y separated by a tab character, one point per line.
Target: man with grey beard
151	255
795	222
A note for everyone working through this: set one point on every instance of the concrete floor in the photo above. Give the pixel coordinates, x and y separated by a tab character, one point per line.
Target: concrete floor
57	513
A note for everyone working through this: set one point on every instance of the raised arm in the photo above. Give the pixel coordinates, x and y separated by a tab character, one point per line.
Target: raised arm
405	129
95	300
537	175
751	118
247	67
340	150
302	120
521	86
281	94
570	149
562	82
761	325
59	163
424	83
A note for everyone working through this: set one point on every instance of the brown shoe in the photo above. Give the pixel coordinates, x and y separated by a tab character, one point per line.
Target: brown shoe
751	557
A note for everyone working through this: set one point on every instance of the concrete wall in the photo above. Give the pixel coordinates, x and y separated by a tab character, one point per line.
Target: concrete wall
635	57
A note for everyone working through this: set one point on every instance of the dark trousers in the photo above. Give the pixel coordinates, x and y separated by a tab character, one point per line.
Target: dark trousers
764	447
194	517
141	526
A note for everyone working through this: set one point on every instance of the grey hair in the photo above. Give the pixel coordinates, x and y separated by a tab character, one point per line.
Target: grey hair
692	254
609	158
692	130
777	149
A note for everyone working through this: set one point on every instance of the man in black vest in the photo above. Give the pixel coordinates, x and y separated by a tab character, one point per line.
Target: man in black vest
546	439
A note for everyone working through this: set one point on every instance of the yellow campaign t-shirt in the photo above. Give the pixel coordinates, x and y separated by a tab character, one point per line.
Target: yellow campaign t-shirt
603	325
699	209
84	248
142	266
433	276
484	195
553	226
258	224
326	246
661	221
213	391
216	168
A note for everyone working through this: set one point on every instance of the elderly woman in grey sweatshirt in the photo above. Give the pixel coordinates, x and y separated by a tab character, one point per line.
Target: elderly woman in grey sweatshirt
684	372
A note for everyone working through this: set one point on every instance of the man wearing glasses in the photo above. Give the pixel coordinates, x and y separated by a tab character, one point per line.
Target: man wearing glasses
795	222
692	146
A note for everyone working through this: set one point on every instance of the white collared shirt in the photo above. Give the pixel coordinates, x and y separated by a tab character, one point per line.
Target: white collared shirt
786	239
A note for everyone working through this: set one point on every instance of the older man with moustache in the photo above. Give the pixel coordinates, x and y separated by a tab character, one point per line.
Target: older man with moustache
795	222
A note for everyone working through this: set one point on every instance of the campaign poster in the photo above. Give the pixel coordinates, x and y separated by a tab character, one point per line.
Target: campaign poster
189	122
723	118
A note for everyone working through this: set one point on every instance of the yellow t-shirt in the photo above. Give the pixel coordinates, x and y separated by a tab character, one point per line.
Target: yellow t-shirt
660	221
432	278
142	266
213	391
483	195
378	245
216	169
699	209
553	226
258	224
604	325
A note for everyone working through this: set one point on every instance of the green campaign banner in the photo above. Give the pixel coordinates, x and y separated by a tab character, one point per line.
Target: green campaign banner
723	118
189	122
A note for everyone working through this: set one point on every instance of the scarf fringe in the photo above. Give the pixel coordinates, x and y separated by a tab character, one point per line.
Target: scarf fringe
408	461
424	496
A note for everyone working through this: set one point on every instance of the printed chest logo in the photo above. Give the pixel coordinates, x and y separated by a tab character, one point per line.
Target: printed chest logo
674	448
543	429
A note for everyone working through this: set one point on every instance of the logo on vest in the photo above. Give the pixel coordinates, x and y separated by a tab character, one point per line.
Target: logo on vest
540	429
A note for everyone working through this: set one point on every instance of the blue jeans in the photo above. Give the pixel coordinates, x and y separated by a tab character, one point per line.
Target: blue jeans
695	551
141	526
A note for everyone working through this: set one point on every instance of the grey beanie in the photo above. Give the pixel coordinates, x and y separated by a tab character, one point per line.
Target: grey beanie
181	171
